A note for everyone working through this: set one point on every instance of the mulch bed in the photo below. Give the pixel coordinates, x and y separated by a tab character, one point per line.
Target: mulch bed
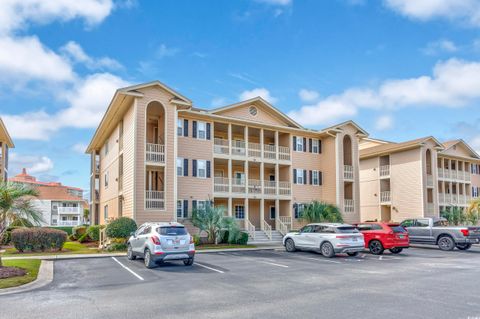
8	272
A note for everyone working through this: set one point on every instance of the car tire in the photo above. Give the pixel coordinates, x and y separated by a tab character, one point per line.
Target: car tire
188	262
446	243
148	260
396	250
376	247
327	250
290	245
464	246
353	254
130	254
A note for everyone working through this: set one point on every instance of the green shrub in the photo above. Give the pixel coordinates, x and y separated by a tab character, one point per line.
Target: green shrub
7	235
243	240
67	229
196	240
121	228
93	232
78	231
72	237
38	238
83	238
117	247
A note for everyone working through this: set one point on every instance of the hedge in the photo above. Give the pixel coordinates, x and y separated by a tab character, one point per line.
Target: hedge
38	238
93	232
7	235
121	228
67	229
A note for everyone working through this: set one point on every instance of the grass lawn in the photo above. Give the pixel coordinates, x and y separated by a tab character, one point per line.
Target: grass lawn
222	246
70	247
30	265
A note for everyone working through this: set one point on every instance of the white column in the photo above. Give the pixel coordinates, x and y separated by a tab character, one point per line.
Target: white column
229	138
277	208
276	145
246	140
262	212
262	177
230	211
261	142
246	211
149	180
229	176
277	179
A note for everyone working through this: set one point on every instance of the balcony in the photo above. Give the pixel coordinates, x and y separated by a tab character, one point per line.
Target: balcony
221	185
254	150
385	197
385	171
254	186
269	152
155	200
467	177
348	172
238	148
270	188
238	186
69	210
284	188
221	146
349	205
250	149
155	153
69	223
284	153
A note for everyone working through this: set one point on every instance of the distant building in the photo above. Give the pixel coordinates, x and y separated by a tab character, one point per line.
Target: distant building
5	144
60	205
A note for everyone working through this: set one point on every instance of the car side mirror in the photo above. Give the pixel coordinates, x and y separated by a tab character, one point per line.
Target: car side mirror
133	234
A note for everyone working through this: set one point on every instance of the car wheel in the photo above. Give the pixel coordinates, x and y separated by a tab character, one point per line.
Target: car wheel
353	254
376	247
327	250
147	258
290	245
188	262
446	243
396	250
130	254
464	246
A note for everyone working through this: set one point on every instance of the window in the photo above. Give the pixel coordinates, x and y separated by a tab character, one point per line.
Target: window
252	110
299	145
179	166
171	231
201	168
298	210
202	130
475	191
315	179
239	212
407	223
106	179
180	127
75	218
201	204
421	223
64	218
106	148
105	212
315	148
180	208
364	227
307	229
300	176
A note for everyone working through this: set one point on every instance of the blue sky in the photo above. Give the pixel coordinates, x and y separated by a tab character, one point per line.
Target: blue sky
400	68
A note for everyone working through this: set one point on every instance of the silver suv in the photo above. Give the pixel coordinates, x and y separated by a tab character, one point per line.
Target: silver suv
159	242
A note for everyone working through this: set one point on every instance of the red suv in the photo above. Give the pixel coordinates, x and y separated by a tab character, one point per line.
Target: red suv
380	236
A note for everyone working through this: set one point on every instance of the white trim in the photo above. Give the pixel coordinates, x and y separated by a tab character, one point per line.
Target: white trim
270	212
135	146
175	155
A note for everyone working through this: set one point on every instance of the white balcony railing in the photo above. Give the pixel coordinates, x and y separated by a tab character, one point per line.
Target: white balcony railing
441	198
221	146
384	170
440	172
349	205
284	188
453	174
254	186
69	210
467	176
269	151
270	188
385	197
254	150
221	185
348	172
448	198
69	222
238	148
287	220
446	173
238	185
281	227
155	200
155	153
284	153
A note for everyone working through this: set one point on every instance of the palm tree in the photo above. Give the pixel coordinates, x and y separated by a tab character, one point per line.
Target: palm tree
212	220
317	212
473	211
16	206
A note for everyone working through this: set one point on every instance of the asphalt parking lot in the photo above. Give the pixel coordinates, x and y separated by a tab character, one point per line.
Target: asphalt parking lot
418	283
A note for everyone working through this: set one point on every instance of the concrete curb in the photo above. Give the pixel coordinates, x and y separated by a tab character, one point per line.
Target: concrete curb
44	277
82	256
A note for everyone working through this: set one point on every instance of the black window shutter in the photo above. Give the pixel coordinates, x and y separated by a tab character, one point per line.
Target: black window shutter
310	145
208	131
319	146
320	178
194	168
194	129
294	175
304	176
304	144
185	128
311	177
294	143
185	167
295	210
208	169
194	204
185	208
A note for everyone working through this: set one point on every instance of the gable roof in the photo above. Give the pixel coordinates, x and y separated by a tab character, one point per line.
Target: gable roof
262	101
4	135
449	144
135	88
338	126
396	147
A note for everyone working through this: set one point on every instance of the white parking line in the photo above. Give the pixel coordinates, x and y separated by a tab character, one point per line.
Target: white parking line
327	260
210	268
273	264
131	271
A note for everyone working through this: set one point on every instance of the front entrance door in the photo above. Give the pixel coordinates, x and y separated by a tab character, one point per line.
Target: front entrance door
272	212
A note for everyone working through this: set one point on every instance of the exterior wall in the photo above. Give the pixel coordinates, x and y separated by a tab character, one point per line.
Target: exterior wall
369	189
429	145
263	115
45	208
129	160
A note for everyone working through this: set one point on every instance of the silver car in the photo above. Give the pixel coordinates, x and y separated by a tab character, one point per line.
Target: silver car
160	242
328	238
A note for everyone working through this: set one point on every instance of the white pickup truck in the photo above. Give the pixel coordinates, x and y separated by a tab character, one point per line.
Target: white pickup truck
435	231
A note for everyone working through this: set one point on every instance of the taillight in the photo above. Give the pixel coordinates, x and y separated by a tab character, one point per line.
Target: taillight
155	240
342	236
465	232
191	239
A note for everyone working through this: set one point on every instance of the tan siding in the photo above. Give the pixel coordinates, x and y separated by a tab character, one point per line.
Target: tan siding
369	189
128	161
263	115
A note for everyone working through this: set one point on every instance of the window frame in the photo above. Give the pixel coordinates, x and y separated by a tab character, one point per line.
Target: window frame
299	144
300	173
179	126
181	167
200	123
182	213
105	212
315	179
239	212
315	144
204	162
106	179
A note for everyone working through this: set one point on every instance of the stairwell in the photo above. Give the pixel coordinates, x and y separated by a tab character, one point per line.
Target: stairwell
262	239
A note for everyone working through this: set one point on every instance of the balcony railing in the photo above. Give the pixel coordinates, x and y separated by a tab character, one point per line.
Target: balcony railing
349	205
238	185
384	170
270	188
241	148
284	153
69	222
221	185
221	146
155	153
269	151
69	210
254	150
155	200
254	186
238	148
348	172
284	188
385	197
467	176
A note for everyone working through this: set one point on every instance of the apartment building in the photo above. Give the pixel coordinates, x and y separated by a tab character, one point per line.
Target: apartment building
5	144
155	157
59	205
417	178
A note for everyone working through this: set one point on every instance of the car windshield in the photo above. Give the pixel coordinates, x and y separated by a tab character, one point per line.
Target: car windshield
346	229
397	228
171	231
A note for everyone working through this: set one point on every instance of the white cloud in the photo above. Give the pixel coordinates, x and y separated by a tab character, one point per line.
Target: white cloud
16	14
164	51
33	163
218	101
276	2
440	46
308	95
87	102
79	147
262	92
384	122
464	11
454	83
75	52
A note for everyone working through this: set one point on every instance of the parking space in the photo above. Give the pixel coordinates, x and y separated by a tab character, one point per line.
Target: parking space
418	283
